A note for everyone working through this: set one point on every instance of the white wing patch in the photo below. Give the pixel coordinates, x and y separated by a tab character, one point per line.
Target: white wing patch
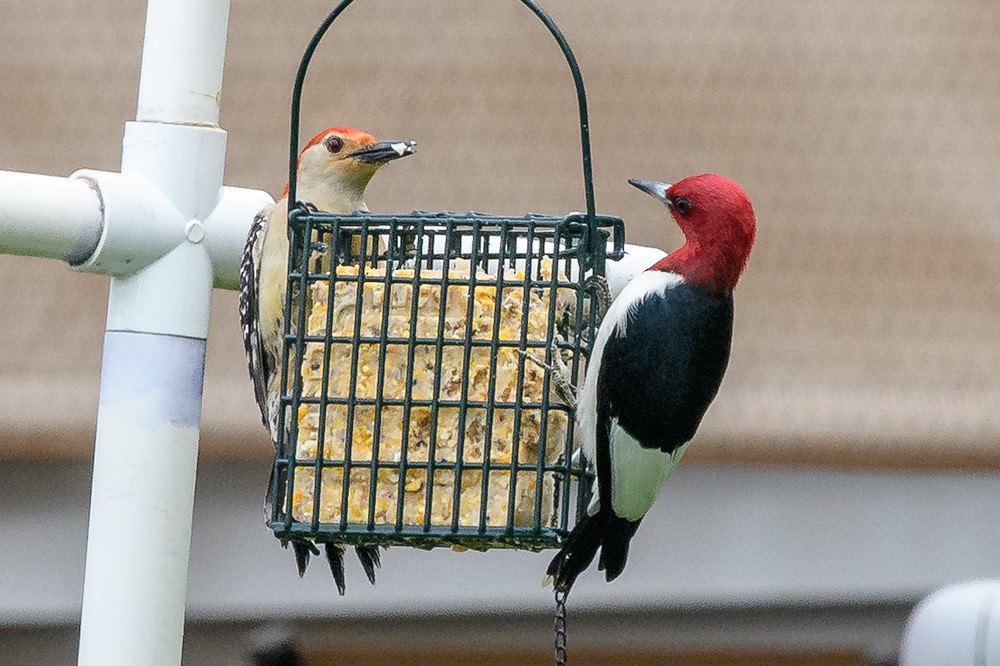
637	473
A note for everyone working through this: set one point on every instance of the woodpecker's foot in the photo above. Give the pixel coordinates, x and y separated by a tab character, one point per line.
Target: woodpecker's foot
562	376
405	250
598	286
304	208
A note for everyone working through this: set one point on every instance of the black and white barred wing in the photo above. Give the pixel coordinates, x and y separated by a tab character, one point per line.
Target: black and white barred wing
260	366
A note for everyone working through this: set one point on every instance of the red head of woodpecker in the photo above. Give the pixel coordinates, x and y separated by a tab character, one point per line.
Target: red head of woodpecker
333	170
657	363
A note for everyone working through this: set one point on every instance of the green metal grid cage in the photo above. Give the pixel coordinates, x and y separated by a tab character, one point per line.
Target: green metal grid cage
415	407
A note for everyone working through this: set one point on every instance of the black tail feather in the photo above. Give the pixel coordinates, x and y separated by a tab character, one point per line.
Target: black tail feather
614	548
335	557
302	550
579	551
603	530
370	560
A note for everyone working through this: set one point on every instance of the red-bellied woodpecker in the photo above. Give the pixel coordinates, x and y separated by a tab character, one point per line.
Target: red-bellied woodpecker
333	170
657	363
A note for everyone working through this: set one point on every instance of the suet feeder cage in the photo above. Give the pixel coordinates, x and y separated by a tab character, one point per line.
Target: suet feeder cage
415	408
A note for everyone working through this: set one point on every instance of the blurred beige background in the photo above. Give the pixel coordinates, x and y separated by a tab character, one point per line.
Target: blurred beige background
866	134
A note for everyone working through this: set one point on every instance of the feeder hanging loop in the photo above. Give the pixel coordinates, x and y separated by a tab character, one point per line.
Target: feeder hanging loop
581	99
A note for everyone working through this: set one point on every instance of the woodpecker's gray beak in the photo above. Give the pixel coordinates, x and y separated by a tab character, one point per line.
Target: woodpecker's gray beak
652	188
384	151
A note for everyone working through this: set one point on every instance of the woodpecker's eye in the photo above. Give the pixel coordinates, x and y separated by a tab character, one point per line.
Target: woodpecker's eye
334	144
682	205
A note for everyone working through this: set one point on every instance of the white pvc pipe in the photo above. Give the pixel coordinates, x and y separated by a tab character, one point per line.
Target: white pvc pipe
47	216
226	231
140	508
182	55
141	224
958	625
154	350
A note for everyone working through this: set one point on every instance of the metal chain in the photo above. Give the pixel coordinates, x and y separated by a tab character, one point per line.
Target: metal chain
560	628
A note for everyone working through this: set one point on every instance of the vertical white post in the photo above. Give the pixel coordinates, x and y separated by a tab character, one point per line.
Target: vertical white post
154	350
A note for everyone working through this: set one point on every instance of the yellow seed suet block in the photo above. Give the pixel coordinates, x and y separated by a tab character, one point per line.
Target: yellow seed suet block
439	422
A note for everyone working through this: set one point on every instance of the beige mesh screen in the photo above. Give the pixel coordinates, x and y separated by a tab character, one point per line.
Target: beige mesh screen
867	134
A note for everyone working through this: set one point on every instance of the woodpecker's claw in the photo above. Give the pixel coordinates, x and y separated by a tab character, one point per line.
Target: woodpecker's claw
306	207
561	373
598	286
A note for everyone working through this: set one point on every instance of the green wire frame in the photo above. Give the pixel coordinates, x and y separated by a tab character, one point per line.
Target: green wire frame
416	244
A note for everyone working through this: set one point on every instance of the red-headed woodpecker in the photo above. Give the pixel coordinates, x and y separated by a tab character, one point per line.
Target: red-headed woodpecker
334	169
657	363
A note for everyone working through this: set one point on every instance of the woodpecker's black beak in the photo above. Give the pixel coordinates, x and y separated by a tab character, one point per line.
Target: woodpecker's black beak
384	151
652	188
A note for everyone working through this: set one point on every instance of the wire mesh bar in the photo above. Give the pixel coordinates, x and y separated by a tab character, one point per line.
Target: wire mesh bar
410	404
547	382
519	391
408	401
464	392
491	390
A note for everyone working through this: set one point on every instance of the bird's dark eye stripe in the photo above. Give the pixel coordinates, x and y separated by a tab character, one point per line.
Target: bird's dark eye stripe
682	205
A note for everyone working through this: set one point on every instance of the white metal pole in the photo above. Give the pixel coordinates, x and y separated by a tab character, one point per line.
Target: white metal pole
152	373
